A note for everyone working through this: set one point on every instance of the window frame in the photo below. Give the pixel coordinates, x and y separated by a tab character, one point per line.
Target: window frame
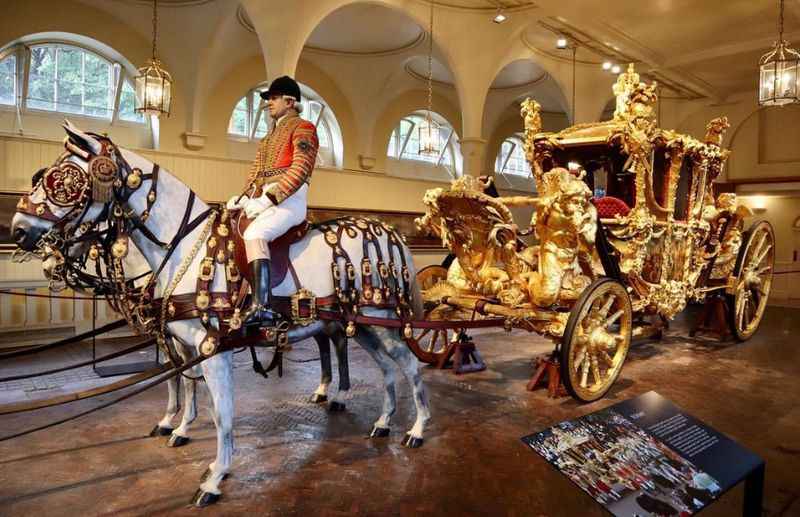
255	112
516	143
447	148
23	49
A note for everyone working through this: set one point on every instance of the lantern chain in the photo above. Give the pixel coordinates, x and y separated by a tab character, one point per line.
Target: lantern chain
430	76
155	27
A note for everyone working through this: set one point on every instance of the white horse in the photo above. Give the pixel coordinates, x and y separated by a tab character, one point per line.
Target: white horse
311	258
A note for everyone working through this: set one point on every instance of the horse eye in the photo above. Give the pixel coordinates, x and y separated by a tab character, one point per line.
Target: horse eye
38	176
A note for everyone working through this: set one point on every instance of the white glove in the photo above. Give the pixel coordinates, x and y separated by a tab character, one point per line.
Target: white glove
235	203
255	206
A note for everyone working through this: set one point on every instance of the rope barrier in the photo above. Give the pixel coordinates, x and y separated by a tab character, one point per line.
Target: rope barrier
34	295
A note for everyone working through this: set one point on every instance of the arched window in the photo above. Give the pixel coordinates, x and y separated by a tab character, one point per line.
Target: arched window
404	144
55	76
250	121
511	158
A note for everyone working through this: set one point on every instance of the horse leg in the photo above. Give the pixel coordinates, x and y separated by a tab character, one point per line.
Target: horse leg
218	372
401	354
340	345
164	426
371	343
180	436
324	344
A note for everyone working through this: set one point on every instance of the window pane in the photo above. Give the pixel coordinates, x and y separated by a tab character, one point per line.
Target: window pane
41	79
68	95
70	65
8	80
313	110
263	124
97	100
97	70
322	134
127	104
238	125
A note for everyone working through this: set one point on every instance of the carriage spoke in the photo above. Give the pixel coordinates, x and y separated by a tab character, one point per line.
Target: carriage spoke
740	314
607	359
607	306
598	378
613	318
758	246
581	356
584	374
763	270
762	256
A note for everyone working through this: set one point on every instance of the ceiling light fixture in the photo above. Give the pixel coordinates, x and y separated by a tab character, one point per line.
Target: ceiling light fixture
779	72
615	69
499	17
429	130
562	42
607	65
153	85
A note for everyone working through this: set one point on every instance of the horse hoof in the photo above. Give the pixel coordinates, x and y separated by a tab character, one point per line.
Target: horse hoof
412	442
316	398
161	431
379	432
207	473
202	498
177	440
336	407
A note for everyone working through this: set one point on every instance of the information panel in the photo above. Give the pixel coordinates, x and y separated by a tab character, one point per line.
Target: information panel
645	456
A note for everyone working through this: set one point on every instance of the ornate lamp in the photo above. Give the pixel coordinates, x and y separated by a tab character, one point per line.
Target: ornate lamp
429	130
779	81
153	84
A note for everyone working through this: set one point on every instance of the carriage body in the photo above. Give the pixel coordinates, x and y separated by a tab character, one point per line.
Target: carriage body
626	224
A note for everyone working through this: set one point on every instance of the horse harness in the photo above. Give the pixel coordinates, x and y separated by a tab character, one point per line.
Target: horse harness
112	181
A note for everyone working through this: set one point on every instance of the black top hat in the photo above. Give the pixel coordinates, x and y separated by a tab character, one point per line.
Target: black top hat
283	85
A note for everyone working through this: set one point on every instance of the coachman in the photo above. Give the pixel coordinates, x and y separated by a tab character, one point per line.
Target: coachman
276	195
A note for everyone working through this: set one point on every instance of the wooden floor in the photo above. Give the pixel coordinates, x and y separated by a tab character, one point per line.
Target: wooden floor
295	458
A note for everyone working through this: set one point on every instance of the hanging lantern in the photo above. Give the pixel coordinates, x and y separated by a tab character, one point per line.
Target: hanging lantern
779	79
429	137
429	130
153	85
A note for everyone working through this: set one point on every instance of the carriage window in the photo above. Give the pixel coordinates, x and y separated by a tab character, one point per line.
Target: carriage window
683	191
660	176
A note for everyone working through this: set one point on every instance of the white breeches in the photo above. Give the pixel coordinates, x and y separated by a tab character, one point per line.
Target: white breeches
274	222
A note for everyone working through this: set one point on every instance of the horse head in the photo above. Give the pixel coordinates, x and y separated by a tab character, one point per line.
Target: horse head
56	219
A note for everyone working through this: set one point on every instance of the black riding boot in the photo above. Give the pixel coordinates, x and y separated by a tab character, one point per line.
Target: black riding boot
259	311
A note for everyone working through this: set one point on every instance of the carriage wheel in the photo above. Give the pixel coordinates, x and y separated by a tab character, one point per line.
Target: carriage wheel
596	340
430	345
429	276
753	272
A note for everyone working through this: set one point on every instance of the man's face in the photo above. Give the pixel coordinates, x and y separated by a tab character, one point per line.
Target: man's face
278	105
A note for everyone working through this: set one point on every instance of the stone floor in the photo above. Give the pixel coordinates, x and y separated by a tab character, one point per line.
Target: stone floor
295	458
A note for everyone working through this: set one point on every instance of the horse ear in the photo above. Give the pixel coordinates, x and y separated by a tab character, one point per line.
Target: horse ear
83	140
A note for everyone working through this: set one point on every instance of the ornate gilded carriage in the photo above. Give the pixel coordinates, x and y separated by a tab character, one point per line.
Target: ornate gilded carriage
627	226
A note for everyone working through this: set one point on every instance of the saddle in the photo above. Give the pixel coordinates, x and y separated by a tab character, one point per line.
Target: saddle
278	249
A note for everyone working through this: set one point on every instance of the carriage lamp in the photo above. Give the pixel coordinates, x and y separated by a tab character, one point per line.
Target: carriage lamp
153	85
779	72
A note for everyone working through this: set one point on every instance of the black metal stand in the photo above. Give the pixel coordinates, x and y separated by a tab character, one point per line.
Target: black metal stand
113	370
754	492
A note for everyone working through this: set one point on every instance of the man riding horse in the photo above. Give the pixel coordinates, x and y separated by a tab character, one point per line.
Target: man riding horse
276	196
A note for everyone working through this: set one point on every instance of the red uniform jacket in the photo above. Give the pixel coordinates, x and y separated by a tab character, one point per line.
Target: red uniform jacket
286	156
